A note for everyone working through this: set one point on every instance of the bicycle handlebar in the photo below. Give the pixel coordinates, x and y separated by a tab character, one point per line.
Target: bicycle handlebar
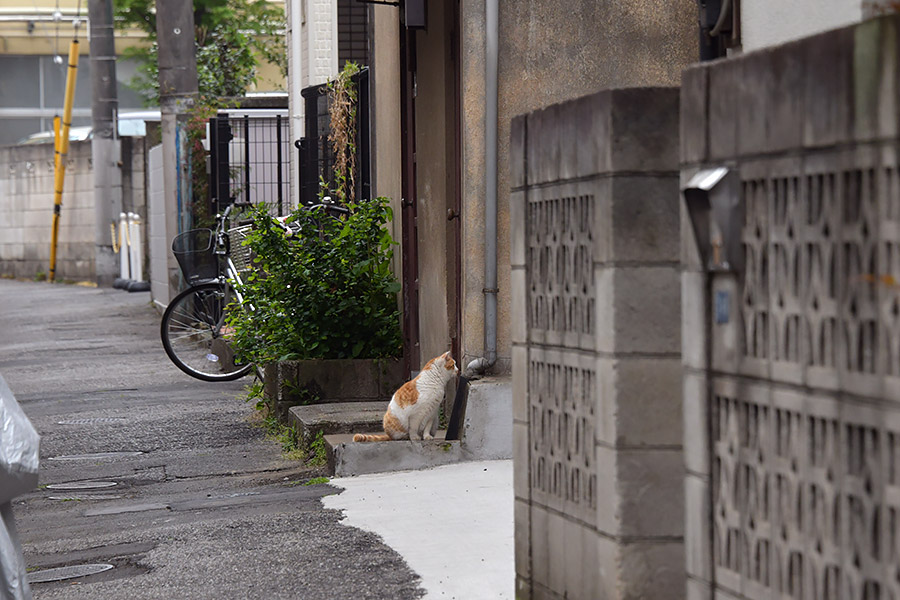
289	230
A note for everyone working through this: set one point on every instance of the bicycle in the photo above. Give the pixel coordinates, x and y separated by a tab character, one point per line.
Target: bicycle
193	330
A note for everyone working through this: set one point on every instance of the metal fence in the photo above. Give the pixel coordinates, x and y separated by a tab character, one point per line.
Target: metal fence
316	154
250	161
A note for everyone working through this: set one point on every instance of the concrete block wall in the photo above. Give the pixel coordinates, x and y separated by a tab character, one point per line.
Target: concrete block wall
792	425
26	210
596	348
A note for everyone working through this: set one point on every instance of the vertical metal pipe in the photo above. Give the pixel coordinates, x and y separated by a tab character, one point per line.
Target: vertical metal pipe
62	148
124	242
490	200
247	159
295	70
278	165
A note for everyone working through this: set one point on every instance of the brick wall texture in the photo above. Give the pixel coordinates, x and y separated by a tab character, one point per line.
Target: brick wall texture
26	208
26	211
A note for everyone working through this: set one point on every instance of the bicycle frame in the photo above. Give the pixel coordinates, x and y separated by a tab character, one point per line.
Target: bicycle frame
229	276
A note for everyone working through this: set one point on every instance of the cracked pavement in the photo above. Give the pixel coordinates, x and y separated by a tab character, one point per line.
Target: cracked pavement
208	509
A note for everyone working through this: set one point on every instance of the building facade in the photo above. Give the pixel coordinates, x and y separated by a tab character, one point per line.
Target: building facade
34	48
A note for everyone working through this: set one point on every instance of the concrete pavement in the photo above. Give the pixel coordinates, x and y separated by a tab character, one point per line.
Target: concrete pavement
203	506
453	525
206	507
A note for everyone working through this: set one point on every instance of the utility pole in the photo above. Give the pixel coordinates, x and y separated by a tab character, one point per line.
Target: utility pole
106	151
177	94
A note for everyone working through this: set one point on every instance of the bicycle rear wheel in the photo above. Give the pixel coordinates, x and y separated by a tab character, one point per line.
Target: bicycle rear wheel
191	332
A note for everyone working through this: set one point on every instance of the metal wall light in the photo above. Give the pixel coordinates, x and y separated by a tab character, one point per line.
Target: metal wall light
713	202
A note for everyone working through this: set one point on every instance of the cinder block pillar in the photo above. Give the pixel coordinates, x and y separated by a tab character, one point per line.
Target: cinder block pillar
595	250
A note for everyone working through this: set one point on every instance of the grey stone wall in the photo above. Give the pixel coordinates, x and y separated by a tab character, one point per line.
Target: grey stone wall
26	208
596	348
792	433
26	212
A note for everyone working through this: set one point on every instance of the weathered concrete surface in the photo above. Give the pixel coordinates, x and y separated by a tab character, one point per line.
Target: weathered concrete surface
240	524
338	417
550	52
487	428
292	382
454	524
346	457
596	348
486	433
26	208
791	363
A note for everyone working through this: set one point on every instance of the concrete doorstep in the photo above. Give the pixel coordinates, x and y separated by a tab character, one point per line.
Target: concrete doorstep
486	433
338	422
346	457
335	417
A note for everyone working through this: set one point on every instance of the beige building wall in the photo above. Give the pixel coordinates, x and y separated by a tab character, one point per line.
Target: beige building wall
548	52
435	160
385	106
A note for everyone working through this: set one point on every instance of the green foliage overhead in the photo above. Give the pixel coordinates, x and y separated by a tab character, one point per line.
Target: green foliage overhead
230	36
328	292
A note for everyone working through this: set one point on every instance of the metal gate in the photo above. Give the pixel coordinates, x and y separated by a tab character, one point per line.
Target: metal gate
250	161
316	154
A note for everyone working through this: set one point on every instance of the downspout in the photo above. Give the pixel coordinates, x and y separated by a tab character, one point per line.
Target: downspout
481	365
296	81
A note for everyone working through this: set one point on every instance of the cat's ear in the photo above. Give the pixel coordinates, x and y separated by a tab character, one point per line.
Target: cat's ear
445	355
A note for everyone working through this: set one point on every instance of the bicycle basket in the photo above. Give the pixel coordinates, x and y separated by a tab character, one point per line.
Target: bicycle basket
195	252
240	254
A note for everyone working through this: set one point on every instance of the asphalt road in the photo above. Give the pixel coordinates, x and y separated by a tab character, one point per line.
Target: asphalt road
204	505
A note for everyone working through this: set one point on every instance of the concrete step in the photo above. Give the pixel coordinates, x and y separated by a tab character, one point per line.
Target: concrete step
346	457
486	431
337	417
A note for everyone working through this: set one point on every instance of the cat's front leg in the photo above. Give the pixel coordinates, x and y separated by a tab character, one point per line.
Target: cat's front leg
415	426
429	425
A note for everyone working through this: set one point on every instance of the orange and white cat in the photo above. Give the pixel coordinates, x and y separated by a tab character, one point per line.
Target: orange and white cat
410	415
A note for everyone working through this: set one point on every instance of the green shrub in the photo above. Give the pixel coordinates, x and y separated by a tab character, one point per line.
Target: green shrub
327	292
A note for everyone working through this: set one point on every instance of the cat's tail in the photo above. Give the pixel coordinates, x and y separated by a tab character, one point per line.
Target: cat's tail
371	437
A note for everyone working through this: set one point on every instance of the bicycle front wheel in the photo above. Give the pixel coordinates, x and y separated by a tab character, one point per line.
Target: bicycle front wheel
192	331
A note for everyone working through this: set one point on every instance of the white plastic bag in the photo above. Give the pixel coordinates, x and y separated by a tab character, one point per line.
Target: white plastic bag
19	447
13	578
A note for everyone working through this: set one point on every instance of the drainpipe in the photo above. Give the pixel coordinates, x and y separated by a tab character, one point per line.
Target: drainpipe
298	129
481	365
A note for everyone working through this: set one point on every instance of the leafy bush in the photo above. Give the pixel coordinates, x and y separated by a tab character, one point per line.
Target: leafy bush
328	292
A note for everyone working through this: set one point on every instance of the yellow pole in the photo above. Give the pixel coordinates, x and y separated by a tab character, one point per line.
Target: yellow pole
56	126
62	148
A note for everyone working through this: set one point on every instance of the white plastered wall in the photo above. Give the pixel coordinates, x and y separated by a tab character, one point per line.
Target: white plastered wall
771	22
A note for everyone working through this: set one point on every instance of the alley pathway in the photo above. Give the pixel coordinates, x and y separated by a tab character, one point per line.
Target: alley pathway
203	505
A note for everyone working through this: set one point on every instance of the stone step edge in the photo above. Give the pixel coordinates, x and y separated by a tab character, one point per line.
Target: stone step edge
347	458
306	428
